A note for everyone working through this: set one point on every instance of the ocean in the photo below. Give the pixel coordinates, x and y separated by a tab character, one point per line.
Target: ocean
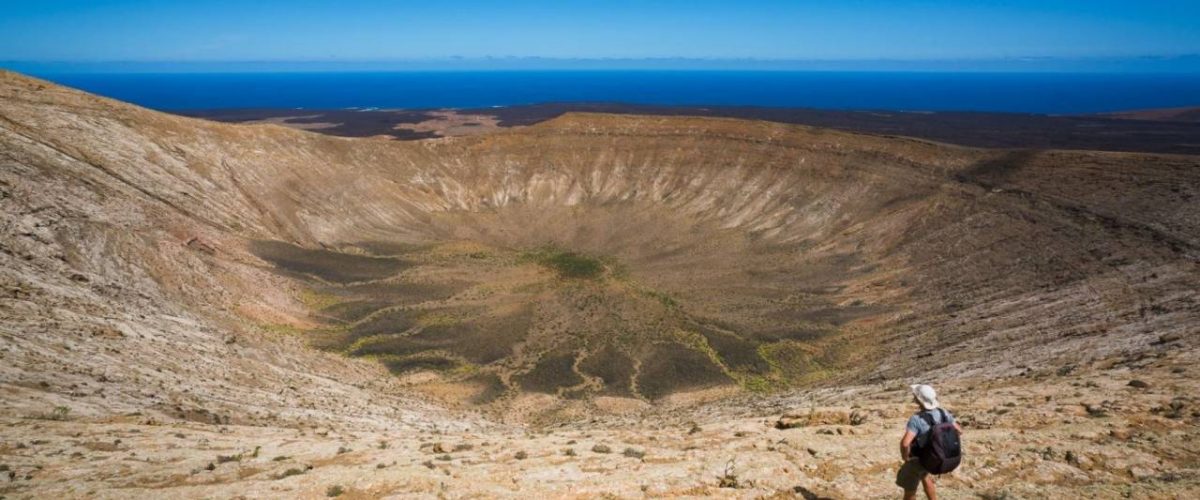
1047	93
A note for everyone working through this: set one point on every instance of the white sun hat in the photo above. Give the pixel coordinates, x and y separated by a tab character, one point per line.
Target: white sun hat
926	396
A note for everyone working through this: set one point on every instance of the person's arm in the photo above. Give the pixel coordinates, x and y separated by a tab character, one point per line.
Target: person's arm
906	445
955	422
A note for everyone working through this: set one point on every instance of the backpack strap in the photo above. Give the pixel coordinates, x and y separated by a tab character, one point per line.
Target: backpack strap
945	418
916	446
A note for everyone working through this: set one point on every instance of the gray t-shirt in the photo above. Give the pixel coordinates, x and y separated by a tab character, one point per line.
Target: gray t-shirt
918	426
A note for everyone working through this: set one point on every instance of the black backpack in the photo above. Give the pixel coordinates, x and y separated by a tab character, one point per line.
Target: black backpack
943	452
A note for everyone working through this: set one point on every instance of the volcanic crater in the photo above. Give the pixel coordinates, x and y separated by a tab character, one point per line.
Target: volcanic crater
596	258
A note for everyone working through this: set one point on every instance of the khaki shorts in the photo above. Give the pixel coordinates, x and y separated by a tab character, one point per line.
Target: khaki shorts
910	475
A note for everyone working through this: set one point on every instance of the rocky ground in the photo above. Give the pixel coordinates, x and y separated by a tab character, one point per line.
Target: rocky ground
1121	428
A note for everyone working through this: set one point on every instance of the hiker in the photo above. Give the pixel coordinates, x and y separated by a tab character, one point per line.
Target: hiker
930	445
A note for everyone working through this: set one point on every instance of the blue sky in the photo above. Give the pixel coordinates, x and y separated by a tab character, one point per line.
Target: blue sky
346	30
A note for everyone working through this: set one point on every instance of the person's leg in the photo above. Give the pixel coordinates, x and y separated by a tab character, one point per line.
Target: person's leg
930	488
908	478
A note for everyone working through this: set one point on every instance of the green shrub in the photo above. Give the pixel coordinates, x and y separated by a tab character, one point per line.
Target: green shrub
290	472
569	264
58	413
729	479
221	459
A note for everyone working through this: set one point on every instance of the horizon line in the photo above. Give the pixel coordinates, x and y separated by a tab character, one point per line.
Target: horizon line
1148	63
